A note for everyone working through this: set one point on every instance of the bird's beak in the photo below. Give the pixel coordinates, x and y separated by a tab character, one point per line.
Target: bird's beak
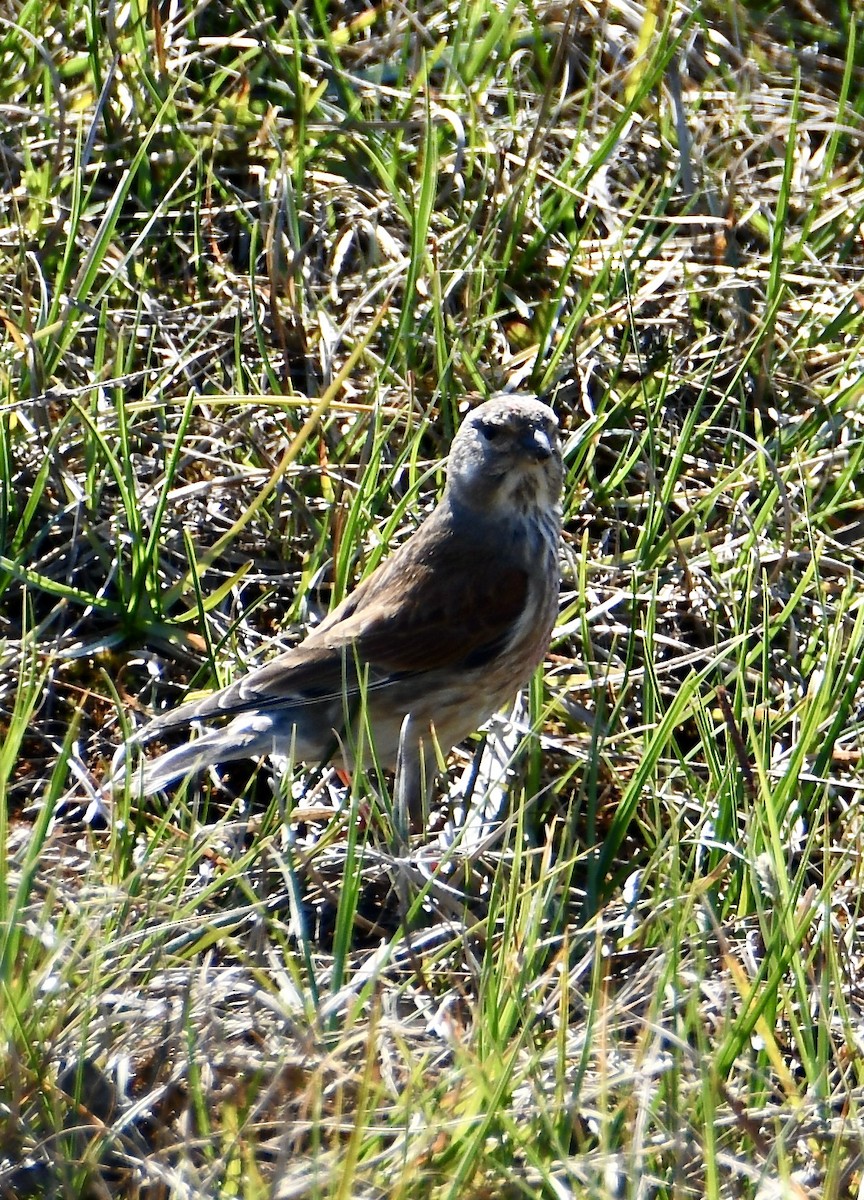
538	445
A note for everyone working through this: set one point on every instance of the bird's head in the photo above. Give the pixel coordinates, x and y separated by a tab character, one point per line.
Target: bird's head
507	456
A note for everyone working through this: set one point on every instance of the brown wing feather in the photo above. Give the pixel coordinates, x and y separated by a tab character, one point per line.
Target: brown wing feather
402	619
407	617
427	626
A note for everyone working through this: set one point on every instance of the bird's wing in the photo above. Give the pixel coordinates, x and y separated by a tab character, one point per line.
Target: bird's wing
418	624
436	618
435	607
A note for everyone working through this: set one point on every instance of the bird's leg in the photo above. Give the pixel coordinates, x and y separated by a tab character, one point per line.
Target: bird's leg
416	768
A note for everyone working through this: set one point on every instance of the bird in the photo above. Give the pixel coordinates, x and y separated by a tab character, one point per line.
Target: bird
440	636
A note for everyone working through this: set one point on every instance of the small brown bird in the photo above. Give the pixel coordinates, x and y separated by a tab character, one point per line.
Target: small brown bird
445	631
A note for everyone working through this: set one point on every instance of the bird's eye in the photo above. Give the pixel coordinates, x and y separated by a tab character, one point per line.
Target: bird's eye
490	432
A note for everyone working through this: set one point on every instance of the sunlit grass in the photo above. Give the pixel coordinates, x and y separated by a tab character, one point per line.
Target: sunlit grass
256	263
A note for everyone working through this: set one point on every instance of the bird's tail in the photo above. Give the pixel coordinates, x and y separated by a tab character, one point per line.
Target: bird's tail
216	746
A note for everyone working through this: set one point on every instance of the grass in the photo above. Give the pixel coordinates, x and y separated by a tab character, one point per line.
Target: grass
257	261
